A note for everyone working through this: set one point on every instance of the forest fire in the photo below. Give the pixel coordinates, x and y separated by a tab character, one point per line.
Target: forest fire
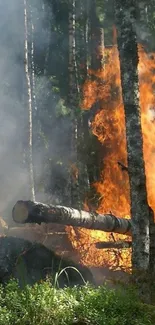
109	127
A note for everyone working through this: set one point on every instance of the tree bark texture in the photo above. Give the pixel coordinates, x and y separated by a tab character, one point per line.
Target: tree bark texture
36	212
97	38
73	100
29	92
125	16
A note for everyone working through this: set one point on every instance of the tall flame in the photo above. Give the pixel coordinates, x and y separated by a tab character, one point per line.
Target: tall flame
109	127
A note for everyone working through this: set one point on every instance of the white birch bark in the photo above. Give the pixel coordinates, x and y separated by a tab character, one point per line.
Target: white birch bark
37	212
29	92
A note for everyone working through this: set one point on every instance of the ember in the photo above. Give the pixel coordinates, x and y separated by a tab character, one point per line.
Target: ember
109	127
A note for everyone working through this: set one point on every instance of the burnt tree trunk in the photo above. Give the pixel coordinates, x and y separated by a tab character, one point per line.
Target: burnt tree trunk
117	245
97	38
73	101
82	38
36	212
92	147
125	16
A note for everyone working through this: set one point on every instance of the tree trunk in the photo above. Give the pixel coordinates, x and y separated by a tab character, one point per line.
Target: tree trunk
81	64
151	23
125	15
29	92
86	36
32	63
36	212
142	24
97	39
73	101
96	47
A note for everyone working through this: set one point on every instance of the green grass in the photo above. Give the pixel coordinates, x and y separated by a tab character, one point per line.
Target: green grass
43	304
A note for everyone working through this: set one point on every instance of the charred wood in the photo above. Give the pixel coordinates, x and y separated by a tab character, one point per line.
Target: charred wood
118	244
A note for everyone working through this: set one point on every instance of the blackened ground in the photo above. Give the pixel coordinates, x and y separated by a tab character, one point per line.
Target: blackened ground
31	262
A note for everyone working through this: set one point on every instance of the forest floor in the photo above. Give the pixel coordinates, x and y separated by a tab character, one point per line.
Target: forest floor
43	304
55	238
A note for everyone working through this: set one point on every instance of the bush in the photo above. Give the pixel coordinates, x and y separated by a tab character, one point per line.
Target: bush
43	304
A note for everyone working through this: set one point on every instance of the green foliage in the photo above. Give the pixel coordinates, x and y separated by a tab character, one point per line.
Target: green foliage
46	305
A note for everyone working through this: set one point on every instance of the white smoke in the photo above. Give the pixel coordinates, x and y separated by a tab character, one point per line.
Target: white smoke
13	111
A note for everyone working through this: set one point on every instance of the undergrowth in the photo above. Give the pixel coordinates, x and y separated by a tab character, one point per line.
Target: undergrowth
43	304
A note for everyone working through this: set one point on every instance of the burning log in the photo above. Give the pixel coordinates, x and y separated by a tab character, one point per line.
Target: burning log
118	244
36	212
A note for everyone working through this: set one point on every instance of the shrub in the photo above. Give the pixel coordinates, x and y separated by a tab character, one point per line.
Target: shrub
43	304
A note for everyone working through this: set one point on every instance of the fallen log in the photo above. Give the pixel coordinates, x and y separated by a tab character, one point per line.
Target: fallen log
112	244
36	212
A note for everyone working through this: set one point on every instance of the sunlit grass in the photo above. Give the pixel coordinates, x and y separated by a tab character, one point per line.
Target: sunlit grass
44	304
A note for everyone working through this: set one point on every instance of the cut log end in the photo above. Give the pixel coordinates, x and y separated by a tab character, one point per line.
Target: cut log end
20	212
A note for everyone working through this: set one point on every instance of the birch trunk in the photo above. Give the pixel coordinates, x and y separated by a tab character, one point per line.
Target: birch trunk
33	83
29	93
36	212
125	15
86	36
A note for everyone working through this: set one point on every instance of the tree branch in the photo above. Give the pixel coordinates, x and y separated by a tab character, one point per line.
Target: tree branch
118	244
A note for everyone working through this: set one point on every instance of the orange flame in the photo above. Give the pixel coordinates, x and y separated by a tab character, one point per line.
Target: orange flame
109	127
